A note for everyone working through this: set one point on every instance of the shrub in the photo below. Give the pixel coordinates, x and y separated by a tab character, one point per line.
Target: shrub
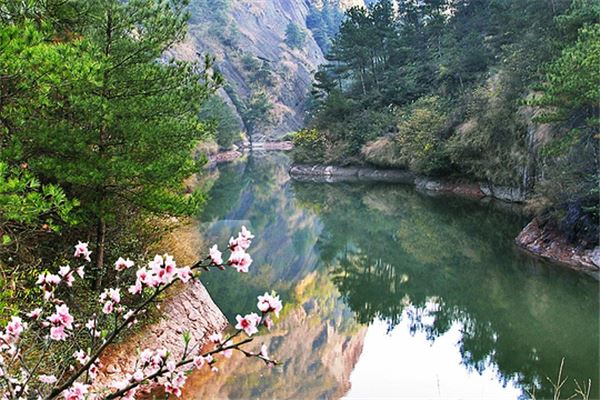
383	152
309	146
294	36
419	137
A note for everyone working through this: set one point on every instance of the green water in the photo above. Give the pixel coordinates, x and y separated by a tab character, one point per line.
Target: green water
392	293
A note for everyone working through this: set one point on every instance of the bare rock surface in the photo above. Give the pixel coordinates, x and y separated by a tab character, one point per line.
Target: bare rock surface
549	244
329	173
190	309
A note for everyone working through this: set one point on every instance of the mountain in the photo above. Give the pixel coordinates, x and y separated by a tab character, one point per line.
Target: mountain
267	52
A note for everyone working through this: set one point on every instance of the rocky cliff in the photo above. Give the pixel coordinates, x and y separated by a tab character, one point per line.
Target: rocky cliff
267	77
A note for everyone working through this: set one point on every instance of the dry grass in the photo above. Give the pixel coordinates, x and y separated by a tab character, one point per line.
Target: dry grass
382	152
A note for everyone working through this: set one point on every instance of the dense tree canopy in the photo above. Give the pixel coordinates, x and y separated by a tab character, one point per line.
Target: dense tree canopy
439	87
93	104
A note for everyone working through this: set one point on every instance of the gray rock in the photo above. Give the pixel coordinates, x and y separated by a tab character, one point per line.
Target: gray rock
506	193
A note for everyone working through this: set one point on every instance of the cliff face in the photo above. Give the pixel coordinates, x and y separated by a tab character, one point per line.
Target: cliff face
267	79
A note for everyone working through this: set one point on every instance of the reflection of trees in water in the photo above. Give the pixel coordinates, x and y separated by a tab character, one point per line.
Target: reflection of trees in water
256	193
316	341
392	252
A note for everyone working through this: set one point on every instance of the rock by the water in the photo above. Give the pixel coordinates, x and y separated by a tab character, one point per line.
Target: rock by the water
549	244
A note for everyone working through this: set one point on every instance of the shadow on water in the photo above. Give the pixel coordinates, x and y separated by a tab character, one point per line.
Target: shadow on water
346	256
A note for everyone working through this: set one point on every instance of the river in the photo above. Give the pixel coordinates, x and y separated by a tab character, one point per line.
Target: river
391	293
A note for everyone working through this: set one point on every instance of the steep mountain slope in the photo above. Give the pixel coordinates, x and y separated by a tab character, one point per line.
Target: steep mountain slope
267	76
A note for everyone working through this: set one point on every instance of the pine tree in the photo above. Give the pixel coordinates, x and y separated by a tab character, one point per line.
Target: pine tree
124	141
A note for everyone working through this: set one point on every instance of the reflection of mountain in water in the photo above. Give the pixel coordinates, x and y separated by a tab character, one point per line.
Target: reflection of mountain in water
316	342
414	251
343	256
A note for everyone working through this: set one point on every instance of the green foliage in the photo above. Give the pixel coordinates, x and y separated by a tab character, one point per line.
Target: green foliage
28	208
324	23
213	18
93	105
308	146
294	36
103	142
257	110
227	129
420	137
484	58
573	80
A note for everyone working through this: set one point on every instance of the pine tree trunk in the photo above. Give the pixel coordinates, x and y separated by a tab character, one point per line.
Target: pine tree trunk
100	239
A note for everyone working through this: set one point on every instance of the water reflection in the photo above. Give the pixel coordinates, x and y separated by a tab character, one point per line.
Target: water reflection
350	259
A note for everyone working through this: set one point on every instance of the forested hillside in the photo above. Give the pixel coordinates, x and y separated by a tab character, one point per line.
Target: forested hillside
480	90
267	52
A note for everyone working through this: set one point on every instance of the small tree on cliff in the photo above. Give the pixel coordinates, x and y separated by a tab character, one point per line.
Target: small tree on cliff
294	36
125	140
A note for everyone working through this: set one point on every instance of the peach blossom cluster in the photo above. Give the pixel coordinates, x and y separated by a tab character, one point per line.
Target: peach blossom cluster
53	322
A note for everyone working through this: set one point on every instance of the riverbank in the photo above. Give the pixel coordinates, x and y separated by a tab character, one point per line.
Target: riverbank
187	308
216	156
547	244
331	173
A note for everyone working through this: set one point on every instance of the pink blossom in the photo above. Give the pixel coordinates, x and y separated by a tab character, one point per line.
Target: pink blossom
242	242
15	327
62	317
142	275
215	255
171	365
52	279
76	392
35	313
268	322
81	249
216	338
170	264
248	323
108	307
227	353
198	361
48	279
121	264
268	303
91	325
162	353
240	260
264	352
80	271
113	294
48	379
246	234
138	376
81	357
58	333
135	288
146	355
67	275
93	371
162	272
175	391
184	274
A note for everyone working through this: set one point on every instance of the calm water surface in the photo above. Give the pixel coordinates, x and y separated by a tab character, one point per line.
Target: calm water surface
391	293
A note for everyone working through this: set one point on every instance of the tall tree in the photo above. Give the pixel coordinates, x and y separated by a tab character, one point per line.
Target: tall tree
125	140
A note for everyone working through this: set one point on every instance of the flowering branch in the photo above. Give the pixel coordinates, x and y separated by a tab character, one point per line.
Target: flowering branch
18	380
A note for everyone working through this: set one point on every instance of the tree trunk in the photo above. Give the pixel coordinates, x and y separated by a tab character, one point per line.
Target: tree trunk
100	239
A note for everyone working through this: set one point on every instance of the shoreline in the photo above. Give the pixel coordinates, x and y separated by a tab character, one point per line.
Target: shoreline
331	174
537	241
